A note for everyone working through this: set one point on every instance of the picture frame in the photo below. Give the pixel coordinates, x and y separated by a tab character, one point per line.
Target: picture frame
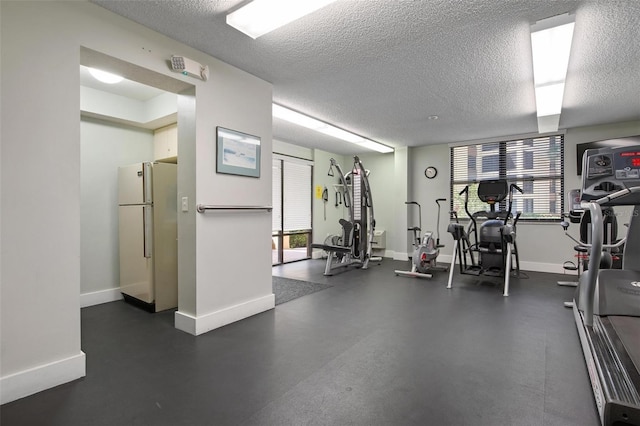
238	153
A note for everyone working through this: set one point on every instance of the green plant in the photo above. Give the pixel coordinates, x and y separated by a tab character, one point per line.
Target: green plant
298	240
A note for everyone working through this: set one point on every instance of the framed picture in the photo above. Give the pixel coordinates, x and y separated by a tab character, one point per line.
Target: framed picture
238	153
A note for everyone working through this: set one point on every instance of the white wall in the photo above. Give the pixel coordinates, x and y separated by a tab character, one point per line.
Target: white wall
40	318
104	147
291	150
126	109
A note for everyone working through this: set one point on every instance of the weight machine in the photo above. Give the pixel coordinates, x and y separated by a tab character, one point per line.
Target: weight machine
355	245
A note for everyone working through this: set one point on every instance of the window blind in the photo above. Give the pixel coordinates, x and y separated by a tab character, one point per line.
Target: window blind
536	165
276	196
297	196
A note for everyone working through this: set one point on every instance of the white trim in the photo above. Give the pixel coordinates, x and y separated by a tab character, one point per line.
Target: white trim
207	322
292	159
398	255
36	379
99	297
552	268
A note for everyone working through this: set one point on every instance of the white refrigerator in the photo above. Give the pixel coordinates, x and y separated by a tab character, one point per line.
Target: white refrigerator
148	231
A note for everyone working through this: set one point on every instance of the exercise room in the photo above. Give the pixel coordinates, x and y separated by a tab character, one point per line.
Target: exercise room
333	212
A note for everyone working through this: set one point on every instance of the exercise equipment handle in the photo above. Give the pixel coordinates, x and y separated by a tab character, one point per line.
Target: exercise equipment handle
465	191
511	188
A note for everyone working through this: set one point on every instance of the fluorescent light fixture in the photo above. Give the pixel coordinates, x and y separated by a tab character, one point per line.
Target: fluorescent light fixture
549	99
322	127
376	146
105	77
262	16
551	46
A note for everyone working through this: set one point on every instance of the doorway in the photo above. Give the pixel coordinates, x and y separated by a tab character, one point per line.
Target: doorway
124	123
292	206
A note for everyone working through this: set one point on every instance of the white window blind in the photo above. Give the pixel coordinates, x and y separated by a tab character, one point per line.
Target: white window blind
536	165
297	196
276	195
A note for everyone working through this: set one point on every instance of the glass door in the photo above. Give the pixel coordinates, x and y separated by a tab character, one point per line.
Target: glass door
292	202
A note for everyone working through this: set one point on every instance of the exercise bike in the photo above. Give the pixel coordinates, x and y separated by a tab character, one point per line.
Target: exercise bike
426	250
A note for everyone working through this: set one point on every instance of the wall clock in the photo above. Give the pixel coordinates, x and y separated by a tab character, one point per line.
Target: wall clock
430	172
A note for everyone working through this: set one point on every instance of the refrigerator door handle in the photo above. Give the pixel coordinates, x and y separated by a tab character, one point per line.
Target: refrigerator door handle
147	219
146	182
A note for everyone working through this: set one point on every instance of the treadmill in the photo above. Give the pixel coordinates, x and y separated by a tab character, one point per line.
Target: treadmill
607	302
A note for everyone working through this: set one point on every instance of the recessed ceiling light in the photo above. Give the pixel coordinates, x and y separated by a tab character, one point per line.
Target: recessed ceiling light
432	117
105	77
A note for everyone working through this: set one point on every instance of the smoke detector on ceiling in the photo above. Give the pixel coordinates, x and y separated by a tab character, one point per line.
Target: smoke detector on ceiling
189	67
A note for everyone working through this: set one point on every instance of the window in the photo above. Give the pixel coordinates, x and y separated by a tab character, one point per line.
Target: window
535	165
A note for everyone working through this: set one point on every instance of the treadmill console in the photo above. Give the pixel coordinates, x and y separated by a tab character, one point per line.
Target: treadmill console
607	170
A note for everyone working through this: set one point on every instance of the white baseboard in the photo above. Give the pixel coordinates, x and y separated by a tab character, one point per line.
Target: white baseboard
27	382
551	268
211	321
398	255
554	268
99	297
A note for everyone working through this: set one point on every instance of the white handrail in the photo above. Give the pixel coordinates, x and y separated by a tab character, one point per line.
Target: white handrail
201	208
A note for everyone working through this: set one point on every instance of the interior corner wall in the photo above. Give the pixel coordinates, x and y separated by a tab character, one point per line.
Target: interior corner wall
382	175
40	186
402	182
187	250
104	146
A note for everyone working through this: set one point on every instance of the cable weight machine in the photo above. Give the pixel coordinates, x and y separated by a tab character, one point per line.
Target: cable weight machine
355	245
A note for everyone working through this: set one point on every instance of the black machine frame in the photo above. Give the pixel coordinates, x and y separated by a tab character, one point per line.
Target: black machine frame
496	248
356	243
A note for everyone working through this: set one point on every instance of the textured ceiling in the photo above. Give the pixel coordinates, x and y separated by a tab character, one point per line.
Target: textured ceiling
379	68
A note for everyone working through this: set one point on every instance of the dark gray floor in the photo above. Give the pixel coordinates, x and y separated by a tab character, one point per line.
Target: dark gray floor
374	349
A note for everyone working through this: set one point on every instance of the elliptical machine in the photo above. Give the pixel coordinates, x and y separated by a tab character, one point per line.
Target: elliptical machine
494	241
426	251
